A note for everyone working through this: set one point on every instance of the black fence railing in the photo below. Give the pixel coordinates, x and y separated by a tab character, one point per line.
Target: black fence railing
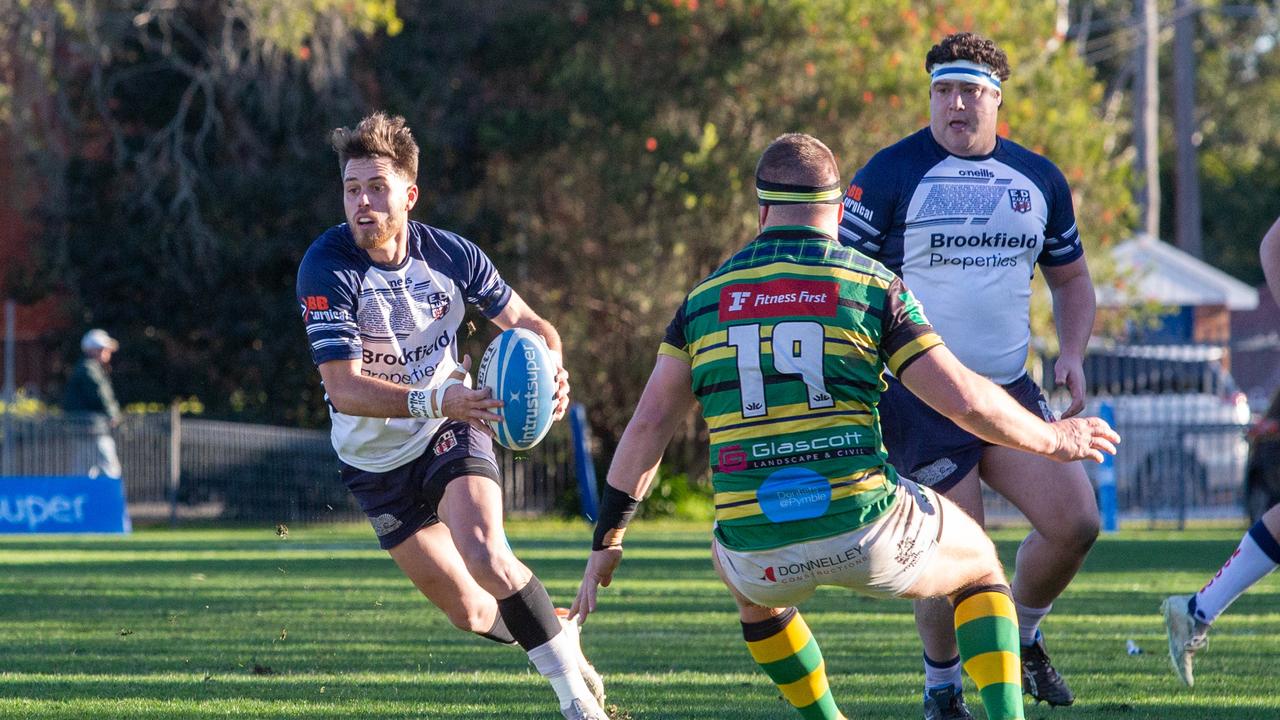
179	468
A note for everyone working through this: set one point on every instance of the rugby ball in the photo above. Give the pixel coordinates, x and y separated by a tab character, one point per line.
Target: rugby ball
520	370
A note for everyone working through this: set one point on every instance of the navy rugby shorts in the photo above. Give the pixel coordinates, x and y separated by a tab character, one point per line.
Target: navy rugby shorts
399	502
927	447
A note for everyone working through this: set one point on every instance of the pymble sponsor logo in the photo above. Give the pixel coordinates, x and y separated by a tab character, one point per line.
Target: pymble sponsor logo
779	298
731	458
1020	200
445	443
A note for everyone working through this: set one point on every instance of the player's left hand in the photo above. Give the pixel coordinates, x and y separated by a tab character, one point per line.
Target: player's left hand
599	573
1069	372
562	394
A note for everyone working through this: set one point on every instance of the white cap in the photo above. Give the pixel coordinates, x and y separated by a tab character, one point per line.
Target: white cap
97	339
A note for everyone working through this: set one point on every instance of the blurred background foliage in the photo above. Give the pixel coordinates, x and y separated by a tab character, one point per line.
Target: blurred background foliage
601	151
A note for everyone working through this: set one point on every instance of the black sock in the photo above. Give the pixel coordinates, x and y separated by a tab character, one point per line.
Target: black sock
529	615
499	632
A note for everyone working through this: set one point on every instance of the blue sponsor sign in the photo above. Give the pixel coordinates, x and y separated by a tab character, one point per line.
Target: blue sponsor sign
30	505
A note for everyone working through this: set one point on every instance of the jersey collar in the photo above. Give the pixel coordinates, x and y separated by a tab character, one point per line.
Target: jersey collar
793	232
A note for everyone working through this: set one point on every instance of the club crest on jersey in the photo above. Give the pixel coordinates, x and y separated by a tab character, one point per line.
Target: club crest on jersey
1020	200
779	298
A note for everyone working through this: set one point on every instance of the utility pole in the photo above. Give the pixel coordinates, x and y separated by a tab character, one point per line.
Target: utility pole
1186	186
1146	115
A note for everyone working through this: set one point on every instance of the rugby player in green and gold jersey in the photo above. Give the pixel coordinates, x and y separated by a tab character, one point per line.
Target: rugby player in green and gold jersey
784	347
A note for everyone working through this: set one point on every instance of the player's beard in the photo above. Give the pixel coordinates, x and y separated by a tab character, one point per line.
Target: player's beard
370	237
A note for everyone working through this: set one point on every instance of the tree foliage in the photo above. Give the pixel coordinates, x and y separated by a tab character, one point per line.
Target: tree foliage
601	151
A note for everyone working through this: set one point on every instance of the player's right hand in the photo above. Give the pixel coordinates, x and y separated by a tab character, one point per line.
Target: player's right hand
1084	439
472	405
599	573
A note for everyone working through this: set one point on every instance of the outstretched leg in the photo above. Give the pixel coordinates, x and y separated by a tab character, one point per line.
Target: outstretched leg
471	507
1187	618
780	642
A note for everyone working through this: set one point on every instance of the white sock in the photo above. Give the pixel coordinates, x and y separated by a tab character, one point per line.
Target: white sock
938	675
1029	621
1246	566
557	661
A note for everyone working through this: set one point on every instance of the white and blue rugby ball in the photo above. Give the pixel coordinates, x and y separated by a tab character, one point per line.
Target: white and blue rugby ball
520	370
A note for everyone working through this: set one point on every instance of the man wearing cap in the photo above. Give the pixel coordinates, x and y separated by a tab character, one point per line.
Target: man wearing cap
91	403
964	216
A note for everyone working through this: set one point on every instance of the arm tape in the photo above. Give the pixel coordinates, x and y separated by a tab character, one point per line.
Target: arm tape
616	509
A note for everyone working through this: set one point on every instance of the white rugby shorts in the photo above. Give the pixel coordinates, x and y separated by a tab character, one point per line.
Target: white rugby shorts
881	559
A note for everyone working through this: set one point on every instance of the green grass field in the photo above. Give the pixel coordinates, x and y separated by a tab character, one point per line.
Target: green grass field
200	623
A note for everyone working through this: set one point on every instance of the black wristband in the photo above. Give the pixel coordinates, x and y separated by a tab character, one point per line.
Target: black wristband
616	509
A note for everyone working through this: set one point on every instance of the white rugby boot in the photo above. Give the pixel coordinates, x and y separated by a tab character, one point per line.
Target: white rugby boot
1185	638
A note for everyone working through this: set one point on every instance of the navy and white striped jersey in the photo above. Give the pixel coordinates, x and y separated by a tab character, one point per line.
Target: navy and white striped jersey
965	235
400	322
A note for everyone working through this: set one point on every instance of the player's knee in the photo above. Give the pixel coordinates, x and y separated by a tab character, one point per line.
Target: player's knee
488	564
1075	534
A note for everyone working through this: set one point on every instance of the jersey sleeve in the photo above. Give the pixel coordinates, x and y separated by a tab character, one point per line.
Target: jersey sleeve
482	285
869	206
1061	237
905	333
675	341
327	293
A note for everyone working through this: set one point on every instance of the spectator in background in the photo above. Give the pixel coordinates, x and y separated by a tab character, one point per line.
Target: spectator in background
91	403
1187	618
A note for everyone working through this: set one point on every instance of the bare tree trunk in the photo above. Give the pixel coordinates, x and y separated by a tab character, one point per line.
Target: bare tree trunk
1187	229
1146	116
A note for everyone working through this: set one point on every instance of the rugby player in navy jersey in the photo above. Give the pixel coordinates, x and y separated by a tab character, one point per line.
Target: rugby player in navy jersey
965	217
382	298
783	348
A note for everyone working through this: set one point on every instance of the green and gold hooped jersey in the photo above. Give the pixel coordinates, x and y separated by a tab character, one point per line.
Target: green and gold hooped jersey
787	343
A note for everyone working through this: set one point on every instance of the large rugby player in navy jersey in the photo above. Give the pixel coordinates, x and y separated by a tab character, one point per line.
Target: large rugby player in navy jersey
964	217
382	298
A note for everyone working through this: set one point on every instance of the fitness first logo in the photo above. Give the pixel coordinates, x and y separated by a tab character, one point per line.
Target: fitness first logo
779	298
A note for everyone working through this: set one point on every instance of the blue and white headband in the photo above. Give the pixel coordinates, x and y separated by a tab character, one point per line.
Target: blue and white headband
965	71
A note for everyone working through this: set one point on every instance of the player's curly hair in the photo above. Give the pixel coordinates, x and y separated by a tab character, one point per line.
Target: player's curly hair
378	135
971	47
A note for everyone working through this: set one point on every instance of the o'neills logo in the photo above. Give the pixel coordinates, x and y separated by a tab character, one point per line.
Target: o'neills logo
779	298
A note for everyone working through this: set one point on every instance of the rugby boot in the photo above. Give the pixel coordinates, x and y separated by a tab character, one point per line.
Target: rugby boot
945	703
1186	636
595	683
1039	679
583	710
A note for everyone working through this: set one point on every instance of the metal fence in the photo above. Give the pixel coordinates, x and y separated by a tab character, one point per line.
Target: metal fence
179	468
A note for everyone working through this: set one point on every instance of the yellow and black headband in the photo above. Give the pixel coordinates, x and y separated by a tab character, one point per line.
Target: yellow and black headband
771	193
